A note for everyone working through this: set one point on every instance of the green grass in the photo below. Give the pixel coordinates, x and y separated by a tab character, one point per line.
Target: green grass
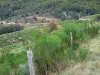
83	54
91	65
94	17
16	37
50	49
13	49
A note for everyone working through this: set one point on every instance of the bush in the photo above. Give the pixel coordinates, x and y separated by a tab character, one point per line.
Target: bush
11	61
83	54
52	48
10	28
94	18
53	26
5	69
23	70
81	30
47	53
97	18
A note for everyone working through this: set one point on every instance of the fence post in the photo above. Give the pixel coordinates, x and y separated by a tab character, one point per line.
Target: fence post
90	24
71	39
30	62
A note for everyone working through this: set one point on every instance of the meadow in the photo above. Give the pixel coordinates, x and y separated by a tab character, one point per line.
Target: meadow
52	50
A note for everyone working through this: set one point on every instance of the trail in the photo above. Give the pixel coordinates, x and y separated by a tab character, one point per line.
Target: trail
92	65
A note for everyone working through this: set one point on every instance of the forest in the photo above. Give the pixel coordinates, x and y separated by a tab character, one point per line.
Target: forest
73	8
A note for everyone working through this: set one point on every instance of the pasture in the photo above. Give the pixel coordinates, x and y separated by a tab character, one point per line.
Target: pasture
53	51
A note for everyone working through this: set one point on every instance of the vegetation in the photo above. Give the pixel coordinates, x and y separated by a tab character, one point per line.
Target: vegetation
53	26
13	47
73	8
53	47
17	37
94	18
10	28
10	61
50	48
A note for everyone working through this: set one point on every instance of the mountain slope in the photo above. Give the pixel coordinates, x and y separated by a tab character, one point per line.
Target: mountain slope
92	64
10	8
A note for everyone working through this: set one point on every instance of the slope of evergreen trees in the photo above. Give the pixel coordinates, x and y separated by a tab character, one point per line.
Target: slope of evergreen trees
73	8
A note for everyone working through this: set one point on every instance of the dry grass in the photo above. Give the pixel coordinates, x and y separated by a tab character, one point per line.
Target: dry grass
92	65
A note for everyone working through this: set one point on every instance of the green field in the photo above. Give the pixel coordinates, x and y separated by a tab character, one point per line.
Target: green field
52	50
13	47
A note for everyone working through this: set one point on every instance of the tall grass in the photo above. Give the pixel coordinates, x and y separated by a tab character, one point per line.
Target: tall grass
83	54
13	54
10	61
94	18
52	48
48	50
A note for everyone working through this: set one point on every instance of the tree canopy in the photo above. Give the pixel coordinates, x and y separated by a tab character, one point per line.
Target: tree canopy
10	8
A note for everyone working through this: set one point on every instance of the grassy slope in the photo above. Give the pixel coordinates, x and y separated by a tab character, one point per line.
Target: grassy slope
20	41
92	65
93	17
17	43
16	37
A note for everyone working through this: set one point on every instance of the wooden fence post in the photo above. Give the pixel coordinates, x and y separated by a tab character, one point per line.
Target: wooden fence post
30	62
90	24
71	39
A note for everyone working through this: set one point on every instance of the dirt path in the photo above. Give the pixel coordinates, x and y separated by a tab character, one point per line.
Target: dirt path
92	66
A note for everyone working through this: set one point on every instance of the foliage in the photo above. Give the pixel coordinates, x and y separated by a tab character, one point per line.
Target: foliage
94	17
53	26
83	54
10	28
80	29
23	70
13	51
11	61
50	49
54	47
12	8
5	69
16	37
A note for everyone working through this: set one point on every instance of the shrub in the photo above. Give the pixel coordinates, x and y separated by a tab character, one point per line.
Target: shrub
83	54
23	70
53	26
11	61
52	48
47	53
5	69
80	29
94	18
10	28
97	17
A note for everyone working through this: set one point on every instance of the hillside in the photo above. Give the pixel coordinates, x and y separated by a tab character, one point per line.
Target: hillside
53	52
92	65
64	36
73	8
